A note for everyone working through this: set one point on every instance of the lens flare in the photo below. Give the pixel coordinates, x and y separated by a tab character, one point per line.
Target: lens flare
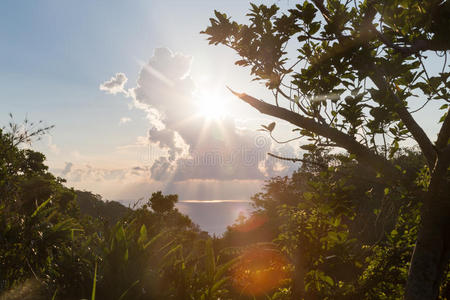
252	223
260	270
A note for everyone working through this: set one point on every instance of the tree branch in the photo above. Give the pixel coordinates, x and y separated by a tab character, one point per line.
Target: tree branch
293	159
444	133
399	107
323	10
416	47
283	142
417	132
363	154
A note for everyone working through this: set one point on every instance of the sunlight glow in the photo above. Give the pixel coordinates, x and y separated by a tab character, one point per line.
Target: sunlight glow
259	270
211	108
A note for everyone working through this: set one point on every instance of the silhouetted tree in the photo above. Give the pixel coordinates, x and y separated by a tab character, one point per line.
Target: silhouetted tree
162	203
350	83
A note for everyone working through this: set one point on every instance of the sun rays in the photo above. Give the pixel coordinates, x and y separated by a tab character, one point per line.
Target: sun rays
211	108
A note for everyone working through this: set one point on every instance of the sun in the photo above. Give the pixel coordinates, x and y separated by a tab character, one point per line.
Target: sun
211	108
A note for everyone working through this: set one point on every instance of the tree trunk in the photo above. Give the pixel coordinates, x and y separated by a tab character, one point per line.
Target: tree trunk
432	250
298	289
429	260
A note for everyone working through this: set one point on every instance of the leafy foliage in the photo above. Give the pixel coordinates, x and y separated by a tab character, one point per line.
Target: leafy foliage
329	231
357	73
64	244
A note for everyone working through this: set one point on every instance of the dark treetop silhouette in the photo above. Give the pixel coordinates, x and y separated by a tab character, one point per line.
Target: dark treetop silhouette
352	83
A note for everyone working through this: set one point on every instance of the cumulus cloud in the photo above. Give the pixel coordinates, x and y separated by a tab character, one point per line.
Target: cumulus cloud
76	173
164	84
161	169
271	166
196	148
115	85
126	184
168	139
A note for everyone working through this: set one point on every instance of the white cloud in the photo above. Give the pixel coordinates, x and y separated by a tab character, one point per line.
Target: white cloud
115	84
82	175
161	169
124	120
195	148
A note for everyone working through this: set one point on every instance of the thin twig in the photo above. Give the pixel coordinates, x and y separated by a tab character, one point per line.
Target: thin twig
294	159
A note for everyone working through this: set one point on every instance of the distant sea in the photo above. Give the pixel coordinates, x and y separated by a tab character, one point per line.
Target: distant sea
215	215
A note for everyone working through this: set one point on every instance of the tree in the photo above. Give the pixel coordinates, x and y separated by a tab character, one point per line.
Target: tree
347	236
352	83
161	204
55	245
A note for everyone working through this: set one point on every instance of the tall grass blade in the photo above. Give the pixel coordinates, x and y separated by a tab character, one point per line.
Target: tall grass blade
94	285
128	289
43	204
54	294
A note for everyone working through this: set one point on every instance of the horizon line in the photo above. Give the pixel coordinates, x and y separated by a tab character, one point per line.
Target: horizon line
216	201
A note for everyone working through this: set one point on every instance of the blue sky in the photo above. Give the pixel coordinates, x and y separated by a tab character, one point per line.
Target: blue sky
56	54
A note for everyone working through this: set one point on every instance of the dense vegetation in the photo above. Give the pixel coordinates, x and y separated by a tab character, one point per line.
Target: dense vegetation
352	75
332	229
370	222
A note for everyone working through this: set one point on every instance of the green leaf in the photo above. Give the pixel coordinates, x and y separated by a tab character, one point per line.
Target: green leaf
224	267
120	233
308	196
210	259
302	38
40	207
54	294
94	285
218	284
128	289
125	256
314	27
172	251
142	235
154	239
328	280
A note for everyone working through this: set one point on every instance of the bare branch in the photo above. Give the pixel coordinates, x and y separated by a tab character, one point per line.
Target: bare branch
284	142
415	48
397	104
363	154
323	10
293	159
